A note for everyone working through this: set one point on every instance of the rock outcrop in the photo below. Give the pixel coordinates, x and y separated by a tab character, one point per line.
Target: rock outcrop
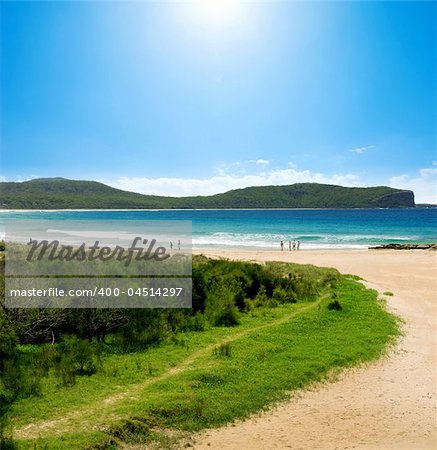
405	247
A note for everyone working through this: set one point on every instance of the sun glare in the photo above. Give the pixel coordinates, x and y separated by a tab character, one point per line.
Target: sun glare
218	12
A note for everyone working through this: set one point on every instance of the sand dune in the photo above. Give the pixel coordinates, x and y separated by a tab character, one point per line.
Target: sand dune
390	404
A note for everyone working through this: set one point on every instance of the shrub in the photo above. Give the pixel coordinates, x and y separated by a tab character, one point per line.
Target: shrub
330	279
45	359
65	371
21	380
131	431
210	380
261	297
305	289
75	357
8	342
6	399
335	306
83	355
133	340
281	296
220	307
223	350
228	316
196	322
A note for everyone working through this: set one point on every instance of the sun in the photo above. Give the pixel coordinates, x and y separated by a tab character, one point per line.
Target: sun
218	12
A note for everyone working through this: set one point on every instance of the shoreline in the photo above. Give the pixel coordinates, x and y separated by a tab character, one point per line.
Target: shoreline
232	252
389	404
410	246
265	254
211	209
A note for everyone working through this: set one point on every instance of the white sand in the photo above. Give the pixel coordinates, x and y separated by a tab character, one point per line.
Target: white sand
389	404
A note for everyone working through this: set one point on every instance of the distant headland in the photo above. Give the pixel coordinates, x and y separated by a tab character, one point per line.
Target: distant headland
61	193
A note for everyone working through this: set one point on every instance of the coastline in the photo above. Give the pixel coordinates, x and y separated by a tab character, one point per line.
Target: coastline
205	209
262	254
387	405
302	256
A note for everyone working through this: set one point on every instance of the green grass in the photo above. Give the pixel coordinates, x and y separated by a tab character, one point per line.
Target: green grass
388	293
207	379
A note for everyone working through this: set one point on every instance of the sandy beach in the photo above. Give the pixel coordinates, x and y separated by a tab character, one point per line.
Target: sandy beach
389	404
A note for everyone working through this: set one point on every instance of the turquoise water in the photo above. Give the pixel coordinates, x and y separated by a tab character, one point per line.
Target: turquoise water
356	228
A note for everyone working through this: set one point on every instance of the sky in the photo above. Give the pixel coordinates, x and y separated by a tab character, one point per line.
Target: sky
192	98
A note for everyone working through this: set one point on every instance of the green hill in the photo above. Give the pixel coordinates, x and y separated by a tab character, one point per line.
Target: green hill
60	193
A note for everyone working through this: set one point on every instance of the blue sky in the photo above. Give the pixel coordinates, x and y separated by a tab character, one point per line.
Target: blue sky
190	98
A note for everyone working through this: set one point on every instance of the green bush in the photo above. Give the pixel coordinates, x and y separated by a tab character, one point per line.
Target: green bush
220	307
65	371
281	296
6	399
335	306
261	297
131	431
224	349
75	357
196	322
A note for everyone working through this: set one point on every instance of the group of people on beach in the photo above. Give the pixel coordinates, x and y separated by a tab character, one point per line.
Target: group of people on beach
179	245
294	244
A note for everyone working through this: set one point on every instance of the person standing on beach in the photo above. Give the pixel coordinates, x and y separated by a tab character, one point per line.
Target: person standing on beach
282	246
294	244
171	245
289	246
179	244
298	245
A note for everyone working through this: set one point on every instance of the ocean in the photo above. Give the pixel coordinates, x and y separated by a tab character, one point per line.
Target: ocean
264	229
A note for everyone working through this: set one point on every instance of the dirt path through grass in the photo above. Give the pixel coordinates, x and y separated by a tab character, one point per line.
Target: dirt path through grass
98	415
388	405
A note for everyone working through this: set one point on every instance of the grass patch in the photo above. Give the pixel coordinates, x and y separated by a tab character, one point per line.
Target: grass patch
224	349
388	293
216	376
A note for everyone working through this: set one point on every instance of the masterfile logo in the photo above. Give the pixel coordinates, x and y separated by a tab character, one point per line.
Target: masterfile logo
98	264
54	250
